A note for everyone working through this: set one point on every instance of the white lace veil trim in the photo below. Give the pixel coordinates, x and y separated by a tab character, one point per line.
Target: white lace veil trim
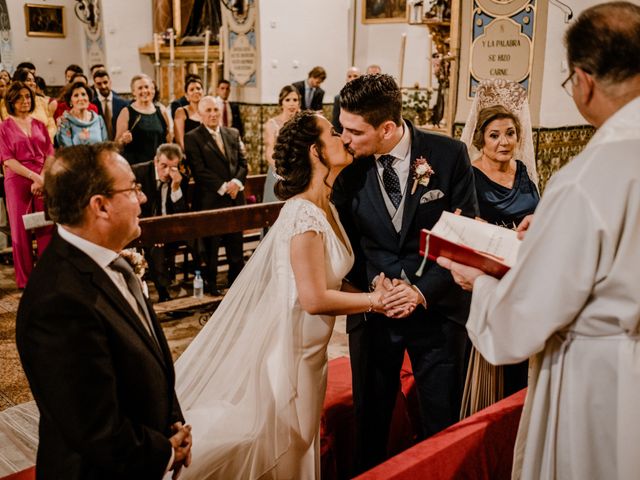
513	97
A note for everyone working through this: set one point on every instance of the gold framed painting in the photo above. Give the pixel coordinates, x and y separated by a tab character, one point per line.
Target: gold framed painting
44	20
384	11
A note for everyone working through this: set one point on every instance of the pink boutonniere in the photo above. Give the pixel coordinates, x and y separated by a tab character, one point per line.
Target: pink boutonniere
422	172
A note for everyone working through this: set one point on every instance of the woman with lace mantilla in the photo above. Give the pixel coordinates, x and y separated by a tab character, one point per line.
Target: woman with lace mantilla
505	192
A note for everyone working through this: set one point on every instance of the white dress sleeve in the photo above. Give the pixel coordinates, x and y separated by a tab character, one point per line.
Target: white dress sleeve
308	218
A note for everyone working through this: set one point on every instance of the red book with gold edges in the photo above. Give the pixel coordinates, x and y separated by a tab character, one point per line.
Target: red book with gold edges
478	244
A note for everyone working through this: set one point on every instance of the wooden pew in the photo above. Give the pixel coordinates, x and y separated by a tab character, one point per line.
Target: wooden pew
193	225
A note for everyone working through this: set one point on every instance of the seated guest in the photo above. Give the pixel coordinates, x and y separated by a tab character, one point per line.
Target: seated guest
4	85
182	101
41	91
352	72
108	102
165	189
229	111
28	65
142	126
71	71
507	192
310	92
40	109
219	169
289	101
80	126
374	69
63	106
24	147
187	118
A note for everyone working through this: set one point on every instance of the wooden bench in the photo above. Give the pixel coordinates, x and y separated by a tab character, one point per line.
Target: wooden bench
193	225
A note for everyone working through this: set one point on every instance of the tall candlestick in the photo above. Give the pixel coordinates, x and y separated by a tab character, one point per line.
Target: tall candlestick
172	56
403	45
177	17
172	45
156	47
207	36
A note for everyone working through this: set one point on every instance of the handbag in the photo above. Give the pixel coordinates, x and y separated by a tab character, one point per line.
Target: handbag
35	220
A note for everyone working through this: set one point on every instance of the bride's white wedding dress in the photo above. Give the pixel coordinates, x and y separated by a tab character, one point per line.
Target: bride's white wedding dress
252	382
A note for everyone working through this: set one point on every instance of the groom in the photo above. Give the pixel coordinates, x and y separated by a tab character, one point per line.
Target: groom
383	207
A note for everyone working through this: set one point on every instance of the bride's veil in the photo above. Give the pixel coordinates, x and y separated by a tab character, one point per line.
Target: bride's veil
513	97
236	380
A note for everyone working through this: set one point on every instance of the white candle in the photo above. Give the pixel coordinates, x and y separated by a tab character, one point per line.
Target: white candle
172	49
403	45
156	47
207	36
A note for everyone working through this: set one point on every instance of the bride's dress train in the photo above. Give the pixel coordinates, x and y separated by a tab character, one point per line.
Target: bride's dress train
252	382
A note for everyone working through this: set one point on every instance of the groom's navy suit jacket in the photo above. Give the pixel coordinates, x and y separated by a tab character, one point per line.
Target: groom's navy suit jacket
379	248
104	387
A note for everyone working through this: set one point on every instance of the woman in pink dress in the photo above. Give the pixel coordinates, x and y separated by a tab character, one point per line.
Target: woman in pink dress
24	147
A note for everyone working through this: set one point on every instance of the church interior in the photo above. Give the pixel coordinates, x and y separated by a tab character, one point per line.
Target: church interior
441	54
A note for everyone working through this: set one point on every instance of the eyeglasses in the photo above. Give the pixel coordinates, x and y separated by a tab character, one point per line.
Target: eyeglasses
566	86
137	188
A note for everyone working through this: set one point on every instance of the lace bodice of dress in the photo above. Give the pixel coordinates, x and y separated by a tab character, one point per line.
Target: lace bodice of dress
300	216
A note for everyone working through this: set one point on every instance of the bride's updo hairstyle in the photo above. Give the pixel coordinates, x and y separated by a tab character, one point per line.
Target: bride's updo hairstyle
291	154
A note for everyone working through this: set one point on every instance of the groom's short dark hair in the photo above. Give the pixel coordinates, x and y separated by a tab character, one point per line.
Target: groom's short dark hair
376	98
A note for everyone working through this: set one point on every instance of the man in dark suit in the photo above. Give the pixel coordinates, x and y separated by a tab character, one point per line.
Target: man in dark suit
166	190
97	362
219	169
383	208
109	103
229	111
311	95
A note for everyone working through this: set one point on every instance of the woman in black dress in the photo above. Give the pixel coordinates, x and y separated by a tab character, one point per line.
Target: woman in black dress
506	194
187	118
142	127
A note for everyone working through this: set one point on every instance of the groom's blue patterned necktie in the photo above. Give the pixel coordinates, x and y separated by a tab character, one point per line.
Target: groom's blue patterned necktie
390	180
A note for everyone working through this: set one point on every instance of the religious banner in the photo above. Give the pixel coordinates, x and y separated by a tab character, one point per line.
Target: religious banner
6	49
240	46
501	41
94	38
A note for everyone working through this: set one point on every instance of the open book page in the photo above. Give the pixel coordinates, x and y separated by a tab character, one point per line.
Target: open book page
483	237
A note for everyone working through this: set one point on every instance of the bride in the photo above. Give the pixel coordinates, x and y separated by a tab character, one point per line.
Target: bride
252	382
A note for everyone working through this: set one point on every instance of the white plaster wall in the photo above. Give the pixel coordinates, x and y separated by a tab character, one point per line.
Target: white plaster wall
49	55
297	36
128	24
379	43
556	107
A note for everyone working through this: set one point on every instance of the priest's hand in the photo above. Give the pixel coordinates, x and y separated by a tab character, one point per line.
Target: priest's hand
523	226
463	275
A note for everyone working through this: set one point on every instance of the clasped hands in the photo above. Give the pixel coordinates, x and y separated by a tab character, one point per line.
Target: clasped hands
181	443
395	297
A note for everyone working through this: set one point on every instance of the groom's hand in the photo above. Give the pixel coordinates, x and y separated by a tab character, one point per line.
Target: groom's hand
401	300
181	443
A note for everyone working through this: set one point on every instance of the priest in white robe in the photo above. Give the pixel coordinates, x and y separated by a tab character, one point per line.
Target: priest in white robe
573	298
